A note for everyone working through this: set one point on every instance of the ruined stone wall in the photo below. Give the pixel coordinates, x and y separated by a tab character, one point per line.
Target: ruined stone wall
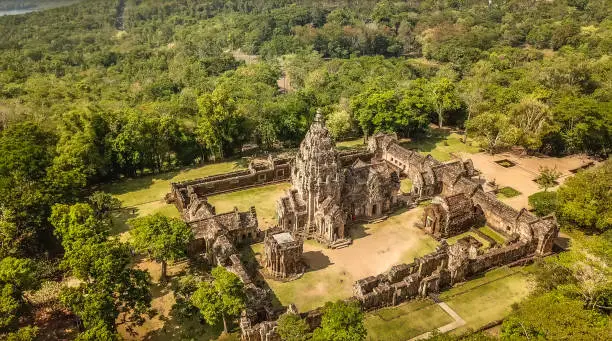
403	282
500	256
348	157
278	170
434	272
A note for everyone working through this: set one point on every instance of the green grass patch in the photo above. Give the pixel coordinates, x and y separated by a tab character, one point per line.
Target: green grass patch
406	185
313	289
145	195
405	321
454	239
441	145
507	192
424	203
498	238
349	144
488	298
133	192
263	198
426	245
121	216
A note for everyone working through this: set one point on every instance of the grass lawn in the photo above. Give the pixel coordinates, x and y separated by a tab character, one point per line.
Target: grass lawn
454	239
145	195
134	192
507	192
405	321
491	233
406	185
488	298
313	289
348	144
426	245
263	198
440	146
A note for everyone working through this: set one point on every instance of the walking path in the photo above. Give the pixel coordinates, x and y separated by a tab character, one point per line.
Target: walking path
119	20
446	328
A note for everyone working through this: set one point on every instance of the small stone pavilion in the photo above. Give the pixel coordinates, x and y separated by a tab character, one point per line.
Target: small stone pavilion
283	255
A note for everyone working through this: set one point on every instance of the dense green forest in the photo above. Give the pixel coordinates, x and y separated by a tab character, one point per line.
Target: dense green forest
107	89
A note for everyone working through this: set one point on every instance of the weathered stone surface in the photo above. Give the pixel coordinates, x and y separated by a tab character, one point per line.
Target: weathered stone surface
332	189
451	215
283	255
259	173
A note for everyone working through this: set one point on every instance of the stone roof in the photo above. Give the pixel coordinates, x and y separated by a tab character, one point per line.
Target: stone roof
283	238
209	227
458	203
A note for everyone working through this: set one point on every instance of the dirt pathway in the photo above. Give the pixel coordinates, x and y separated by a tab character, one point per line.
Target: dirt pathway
119	20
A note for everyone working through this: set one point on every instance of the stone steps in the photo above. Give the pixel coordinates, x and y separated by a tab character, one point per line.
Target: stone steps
378	220
341	243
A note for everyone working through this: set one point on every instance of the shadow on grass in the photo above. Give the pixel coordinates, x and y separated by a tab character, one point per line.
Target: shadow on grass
358	231
561	244
250	261
184	323
315	260
120	219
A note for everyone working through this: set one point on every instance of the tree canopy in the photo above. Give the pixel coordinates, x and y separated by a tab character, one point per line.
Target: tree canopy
163	239
221	299
341	321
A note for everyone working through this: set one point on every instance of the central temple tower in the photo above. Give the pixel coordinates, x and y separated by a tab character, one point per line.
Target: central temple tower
314	205
316	174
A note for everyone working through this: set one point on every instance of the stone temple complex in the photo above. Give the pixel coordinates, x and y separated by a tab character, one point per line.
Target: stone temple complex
330	191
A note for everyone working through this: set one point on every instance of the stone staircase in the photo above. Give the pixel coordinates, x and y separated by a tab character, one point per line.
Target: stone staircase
378	220
341	243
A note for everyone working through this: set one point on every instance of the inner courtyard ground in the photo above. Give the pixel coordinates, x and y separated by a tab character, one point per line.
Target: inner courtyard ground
331	273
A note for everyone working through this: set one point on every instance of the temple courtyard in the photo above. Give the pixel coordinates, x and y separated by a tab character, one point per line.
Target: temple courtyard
330	273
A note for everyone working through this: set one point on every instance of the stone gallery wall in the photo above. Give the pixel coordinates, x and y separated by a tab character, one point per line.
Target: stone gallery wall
433	272
260	173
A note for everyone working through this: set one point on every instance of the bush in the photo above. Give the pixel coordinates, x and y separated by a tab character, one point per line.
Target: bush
584	199
508	192
543	203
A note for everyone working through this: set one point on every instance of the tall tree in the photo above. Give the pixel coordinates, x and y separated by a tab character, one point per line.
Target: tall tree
443	97
16	277
20	273
583	200
540	318
222	299
219	125
341	321
26	152
493	130
163	239
103	204
110	287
